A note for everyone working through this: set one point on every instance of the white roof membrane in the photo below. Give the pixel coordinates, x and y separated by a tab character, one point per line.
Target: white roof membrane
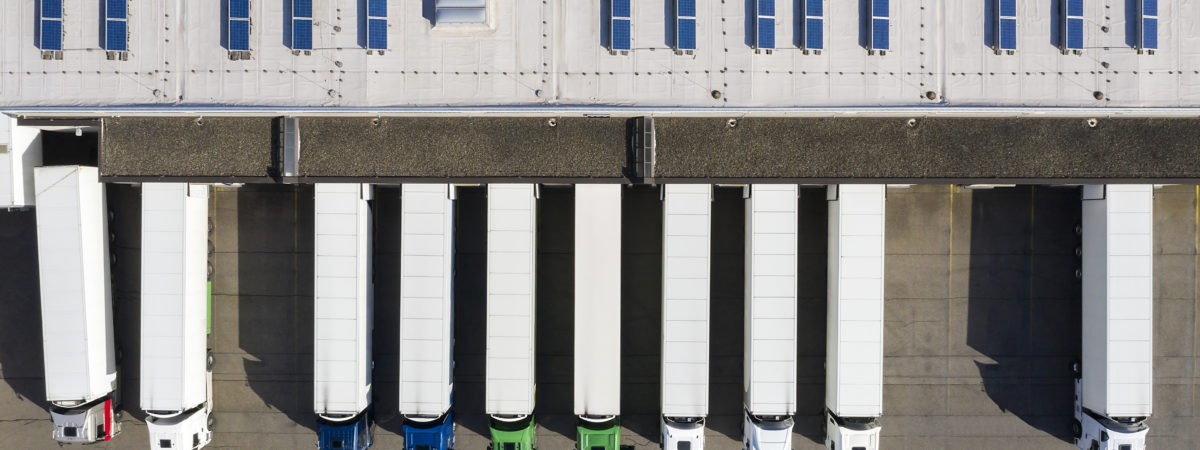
551	53
511	289
854	345
687	223
1118	288
73	263
342	296
598	299
426	298
174	300
771	251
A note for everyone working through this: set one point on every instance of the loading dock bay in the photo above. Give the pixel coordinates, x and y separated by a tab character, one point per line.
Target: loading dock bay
982	318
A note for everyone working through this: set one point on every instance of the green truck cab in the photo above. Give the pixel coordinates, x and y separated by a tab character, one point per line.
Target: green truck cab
605	435
513	435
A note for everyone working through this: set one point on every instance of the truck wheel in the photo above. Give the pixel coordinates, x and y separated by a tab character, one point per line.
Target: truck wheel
1076	370
209	361
212	421
1076	429
1079	229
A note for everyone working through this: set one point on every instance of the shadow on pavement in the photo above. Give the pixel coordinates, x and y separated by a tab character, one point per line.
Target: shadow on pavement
812	302
21	334
125	228
275	302
726	311
386	337
555	311
470	309
1023	303
641	310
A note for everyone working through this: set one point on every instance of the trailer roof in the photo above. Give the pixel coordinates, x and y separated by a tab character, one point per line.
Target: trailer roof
426	298
174	304
855	347
771	252
342	299
77	335
511	285
597	299
538	53
687	222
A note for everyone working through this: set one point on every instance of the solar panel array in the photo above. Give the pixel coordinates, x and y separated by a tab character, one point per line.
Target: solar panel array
764	25
620	36
377	24
880	21
51	25
116	25
1006	26
302	25
685	25
1148	26
239	26
814	25
1072	26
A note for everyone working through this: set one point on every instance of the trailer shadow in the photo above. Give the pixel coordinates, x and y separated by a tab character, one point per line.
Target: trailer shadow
1023	311
470	309
555	311
21	334
125	229
386	336
641	310
726	312
812	303
275	296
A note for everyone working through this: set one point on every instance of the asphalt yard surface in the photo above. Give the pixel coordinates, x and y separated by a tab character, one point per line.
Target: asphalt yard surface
982	318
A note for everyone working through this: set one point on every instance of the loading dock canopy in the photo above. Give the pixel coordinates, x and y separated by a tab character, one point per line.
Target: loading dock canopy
809	150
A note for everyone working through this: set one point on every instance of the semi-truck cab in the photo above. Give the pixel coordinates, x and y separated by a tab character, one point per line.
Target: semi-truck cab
511	288
598	316
76	304
426	315
854	345
343	309
1114	379
176	363
770	340
687	217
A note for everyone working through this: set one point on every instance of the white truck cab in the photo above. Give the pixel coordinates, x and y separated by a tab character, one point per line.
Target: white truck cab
682	434
851	433
767	433
86	423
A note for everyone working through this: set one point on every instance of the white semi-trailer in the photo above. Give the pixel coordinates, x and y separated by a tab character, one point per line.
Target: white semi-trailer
20	152
770	340
1114	380
77	320
426	315
687	217
511	288
854	345
598	316
176	363
343	305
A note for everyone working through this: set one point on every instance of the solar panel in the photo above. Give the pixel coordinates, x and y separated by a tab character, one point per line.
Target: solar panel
116	9
685	25
1006	27
621	36
302	25
52	9
1148	26
239	35
1072	26
880	21
52	34
376	8
814	25
239	9
764	32
115	39
302	8
377	34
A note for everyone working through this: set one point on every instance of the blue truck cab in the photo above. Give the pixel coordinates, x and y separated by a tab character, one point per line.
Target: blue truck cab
435	434
354	433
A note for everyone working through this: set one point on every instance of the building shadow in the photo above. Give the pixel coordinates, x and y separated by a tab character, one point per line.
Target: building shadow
555	311
641	310
1023	312
21	334
386	335
470	309
726	312
125	231
812	303
275	296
